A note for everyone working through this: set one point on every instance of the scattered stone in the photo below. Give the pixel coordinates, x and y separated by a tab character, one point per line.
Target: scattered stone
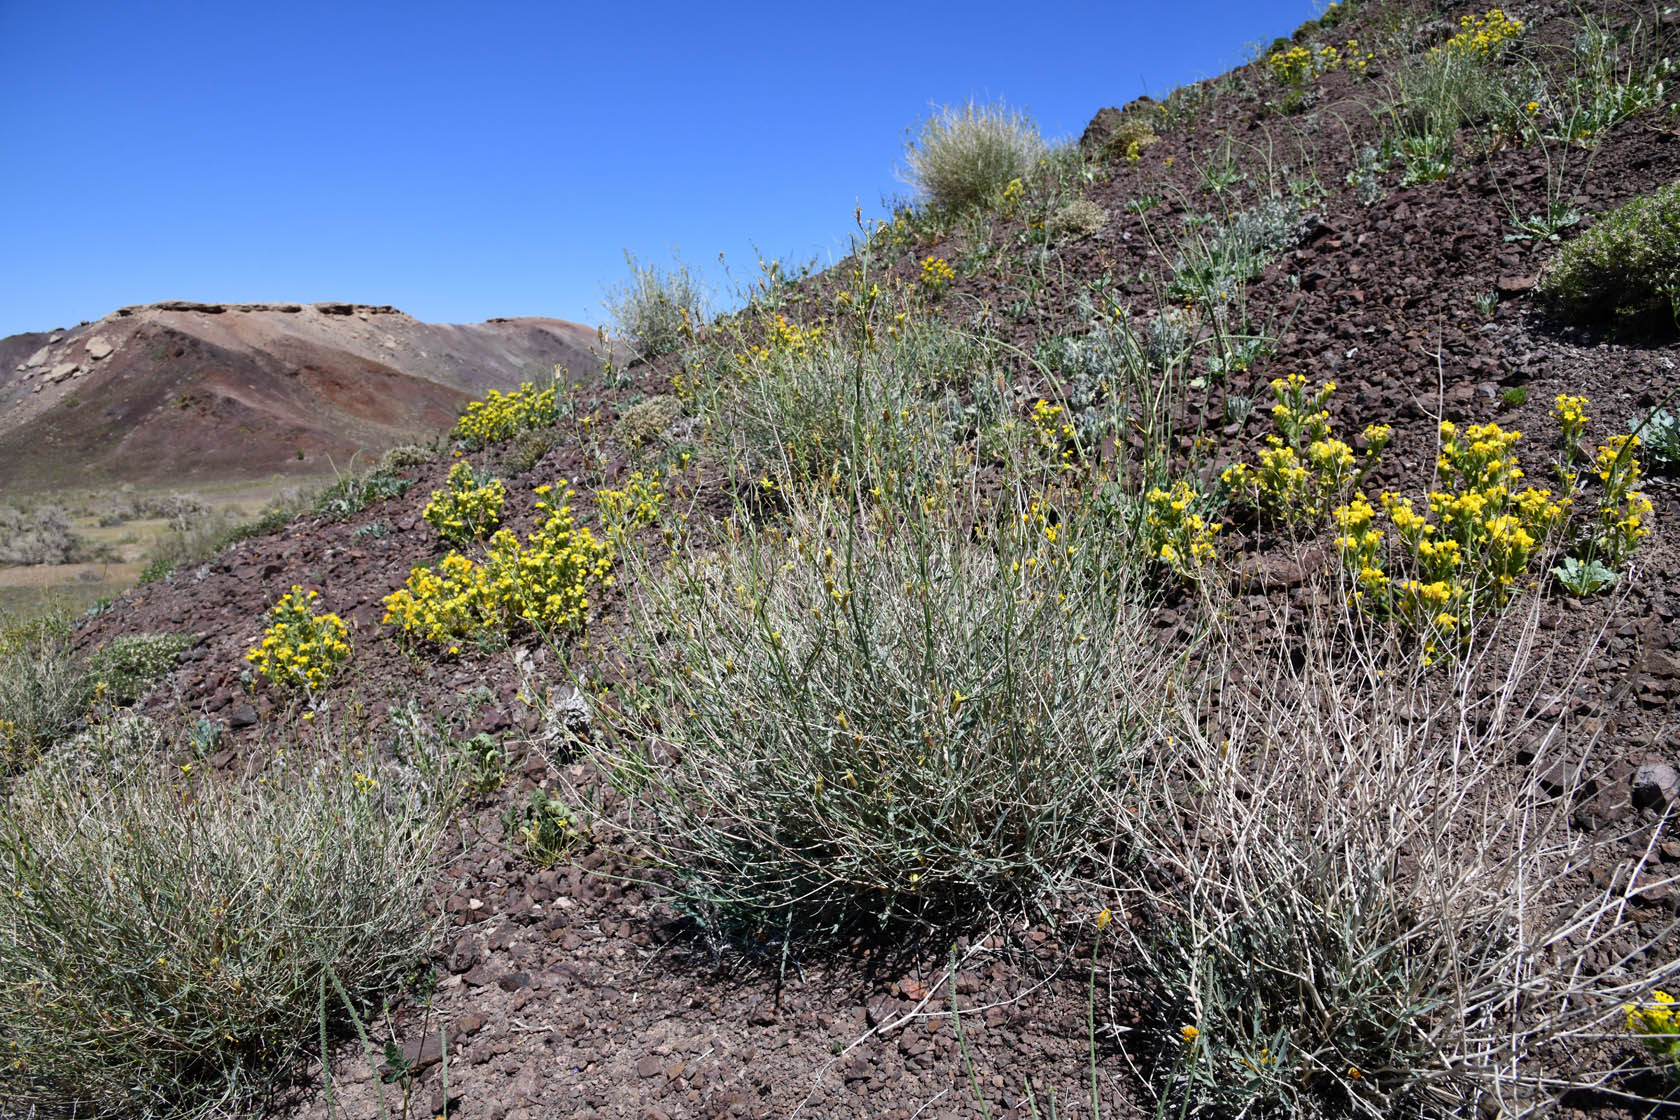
1655	784
98	348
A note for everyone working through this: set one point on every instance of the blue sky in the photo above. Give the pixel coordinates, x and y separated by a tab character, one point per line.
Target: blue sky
467	160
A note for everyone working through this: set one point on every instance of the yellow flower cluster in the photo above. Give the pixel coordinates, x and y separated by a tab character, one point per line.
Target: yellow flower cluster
1053	432
1295	65
1013	193
936	273
301	649
499	416
1177	534
1658	1026
1290	67
1304	472
1480	536
625	511
786	339
464	511
542	582
1480	37
1622	508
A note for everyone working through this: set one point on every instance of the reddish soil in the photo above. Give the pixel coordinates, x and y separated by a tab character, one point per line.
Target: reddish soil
579	991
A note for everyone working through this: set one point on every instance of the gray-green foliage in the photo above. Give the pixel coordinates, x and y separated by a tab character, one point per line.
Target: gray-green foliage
824	412
44	691
1659	433
167	935
656	307
38	535
905	711
964	156
1212	266
122	671
1079	218
1625	271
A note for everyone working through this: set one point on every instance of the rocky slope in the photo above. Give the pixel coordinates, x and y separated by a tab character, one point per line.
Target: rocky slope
581	990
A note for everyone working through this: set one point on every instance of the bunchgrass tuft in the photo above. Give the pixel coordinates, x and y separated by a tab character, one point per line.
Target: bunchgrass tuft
1362	899
965	156
909	710
657	309
168	935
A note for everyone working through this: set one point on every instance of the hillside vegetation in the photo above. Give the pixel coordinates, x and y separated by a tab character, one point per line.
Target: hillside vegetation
1178	623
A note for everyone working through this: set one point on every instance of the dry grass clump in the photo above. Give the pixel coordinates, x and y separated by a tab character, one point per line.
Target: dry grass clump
43	691
965	156
46	691
1362	900
171	942
819	411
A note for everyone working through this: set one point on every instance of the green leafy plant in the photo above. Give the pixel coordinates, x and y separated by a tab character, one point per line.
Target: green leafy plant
1659	431
1454	84
1623	273
1583	577
545	826
355	491
120	671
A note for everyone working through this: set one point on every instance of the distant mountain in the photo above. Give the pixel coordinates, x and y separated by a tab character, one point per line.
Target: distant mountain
178	393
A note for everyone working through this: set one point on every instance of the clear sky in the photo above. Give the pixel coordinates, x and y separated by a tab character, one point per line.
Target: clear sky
474	159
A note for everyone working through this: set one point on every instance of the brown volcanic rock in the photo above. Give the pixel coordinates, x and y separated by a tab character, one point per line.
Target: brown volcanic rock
187	391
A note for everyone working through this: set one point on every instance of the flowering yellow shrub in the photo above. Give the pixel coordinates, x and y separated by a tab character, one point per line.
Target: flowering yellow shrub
1480	37
1657	1024
499	416
464	511
1177	533
625	511
1290	67
301	649
1304	472
936	274
542	582
1295	65
1481	533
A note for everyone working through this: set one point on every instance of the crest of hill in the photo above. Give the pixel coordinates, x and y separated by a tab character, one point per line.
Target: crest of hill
186	393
